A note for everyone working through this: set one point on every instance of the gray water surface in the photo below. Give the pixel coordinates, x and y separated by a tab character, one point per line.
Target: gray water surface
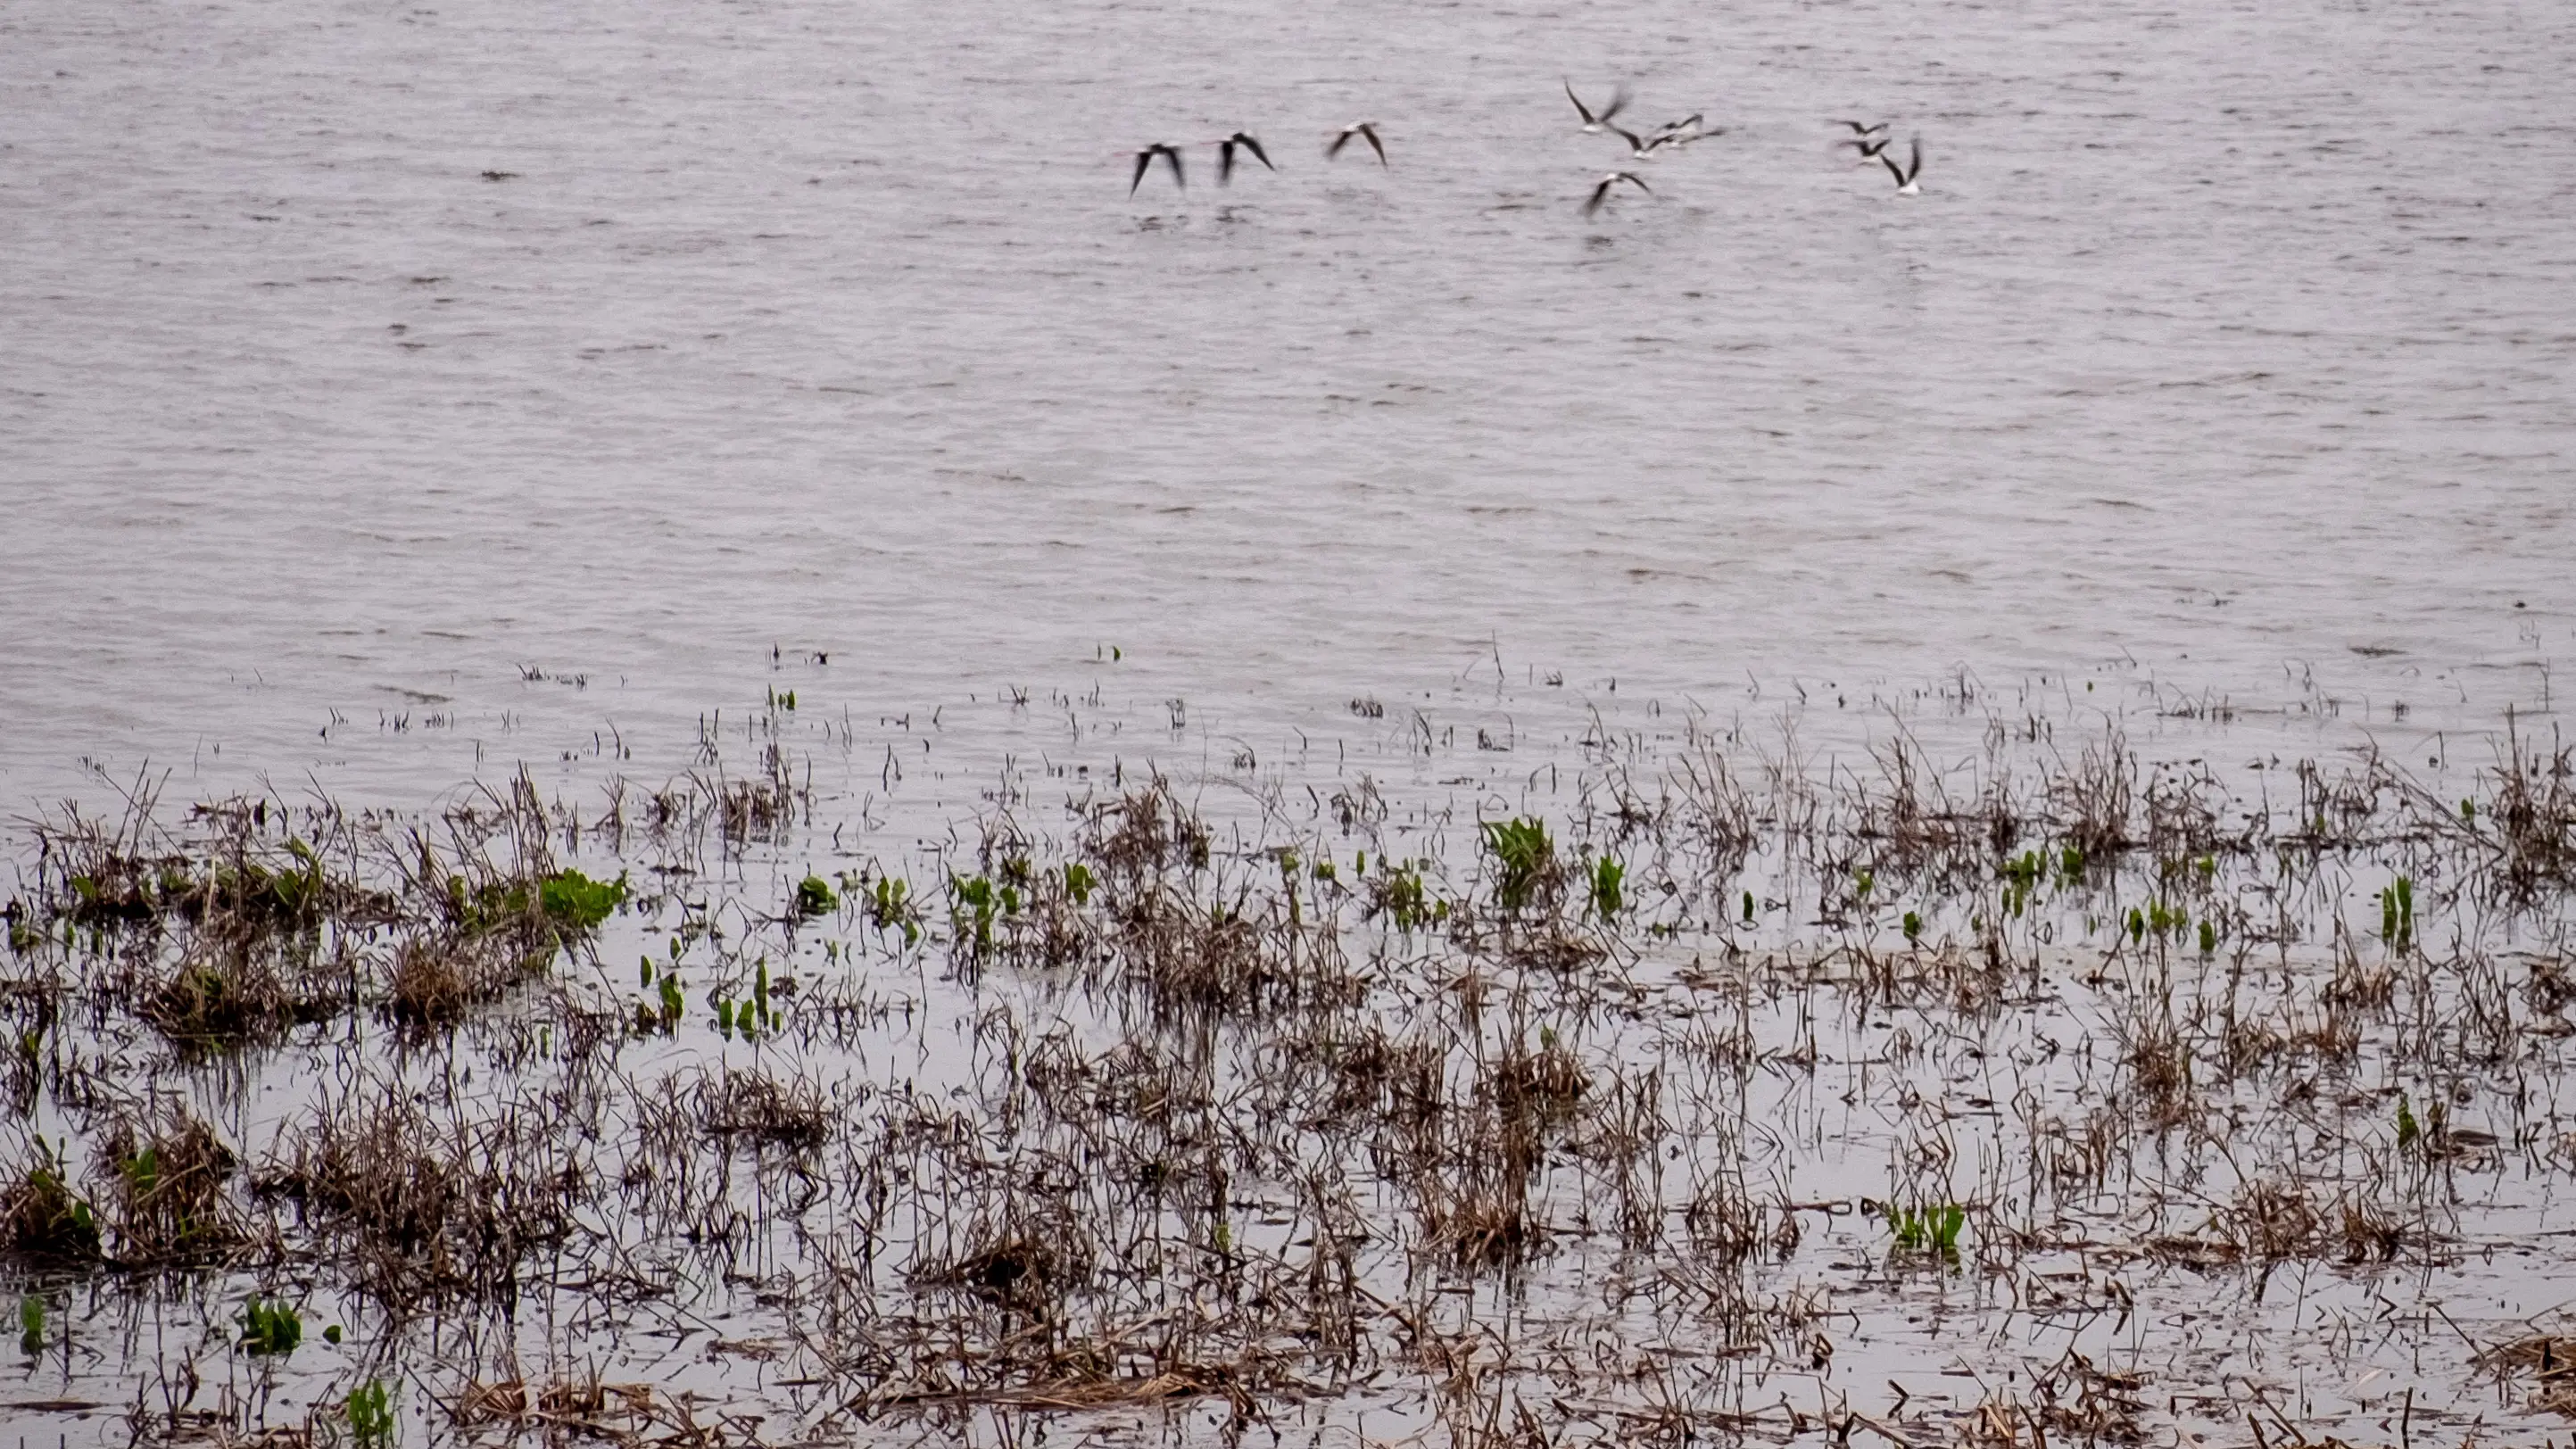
2225	341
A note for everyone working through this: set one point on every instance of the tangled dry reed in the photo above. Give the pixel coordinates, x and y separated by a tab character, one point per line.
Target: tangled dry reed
1708	1105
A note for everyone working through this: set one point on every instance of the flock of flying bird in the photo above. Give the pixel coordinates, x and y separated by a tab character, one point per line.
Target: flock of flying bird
1871	140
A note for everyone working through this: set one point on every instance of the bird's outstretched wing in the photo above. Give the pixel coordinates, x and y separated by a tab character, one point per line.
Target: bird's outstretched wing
1588	117
1224	162
1893	169
1599	193
1374	144
1249	144
1144	159
1173	155
1339	142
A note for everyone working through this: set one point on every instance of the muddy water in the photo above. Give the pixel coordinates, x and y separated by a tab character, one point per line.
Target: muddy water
2224	341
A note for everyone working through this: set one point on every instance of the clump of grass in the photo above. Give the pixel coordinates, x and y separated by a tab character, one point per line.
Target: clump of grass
815	897
2397	913
496	935
762	809
1399	893
235	879
370	1412
428	986
1026	1255
1525	865
44	1218
422	1209
2270	1220
118	891
1542	1085
170	1195
271	1328
1474	1187
1190	956
1934	1230
558	906
2157	919
660	1016
2548	1359
1608	877
2095	798
439	980
1014	1269
2532	812
577	905
974	901
2160	1073
890	906
232	994
752	1107
2023	876
1145	833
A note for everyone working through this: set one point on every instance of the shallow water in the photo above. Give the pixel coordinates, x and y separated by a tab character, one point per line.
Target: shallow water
1708	1246
394	396
2224	341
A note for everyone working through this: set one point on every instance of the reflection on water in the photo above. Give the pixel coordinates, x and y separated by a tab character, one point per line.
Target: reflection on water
1400	1090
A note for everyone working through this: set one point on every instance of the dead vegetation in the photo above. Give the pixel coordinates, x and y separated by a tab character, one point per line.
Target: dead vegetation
1549	1128
46	1220
170	1191
423	1207
2542	1365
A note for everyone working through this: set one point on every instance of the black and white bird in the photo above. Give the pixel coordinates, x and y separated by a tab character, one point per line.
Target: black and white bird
1225	155
1864	132
1868	149
1145	163
1601	193
1687	130
1907	174
1594	122
1643	148
1366	131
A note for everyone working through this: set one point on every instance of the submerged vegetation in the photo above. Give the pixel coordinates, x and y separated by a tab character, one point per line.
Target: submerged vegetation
1709	1094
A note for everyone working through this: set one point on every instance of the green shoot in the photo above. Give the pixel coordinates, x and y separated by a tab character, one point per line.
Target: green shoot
271	1328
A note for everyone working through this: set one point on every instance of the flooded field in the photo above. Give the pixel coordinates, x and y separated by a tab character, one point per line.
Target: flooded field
2008	1083
702	743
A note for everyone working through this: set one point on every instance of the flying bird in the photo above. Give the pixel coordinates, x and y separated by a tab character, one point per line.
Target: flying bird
1907	174
1601	193
1863	131
1592	123
1145	162
1687	130
1868	149
1640	149
1225	155
1366	131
